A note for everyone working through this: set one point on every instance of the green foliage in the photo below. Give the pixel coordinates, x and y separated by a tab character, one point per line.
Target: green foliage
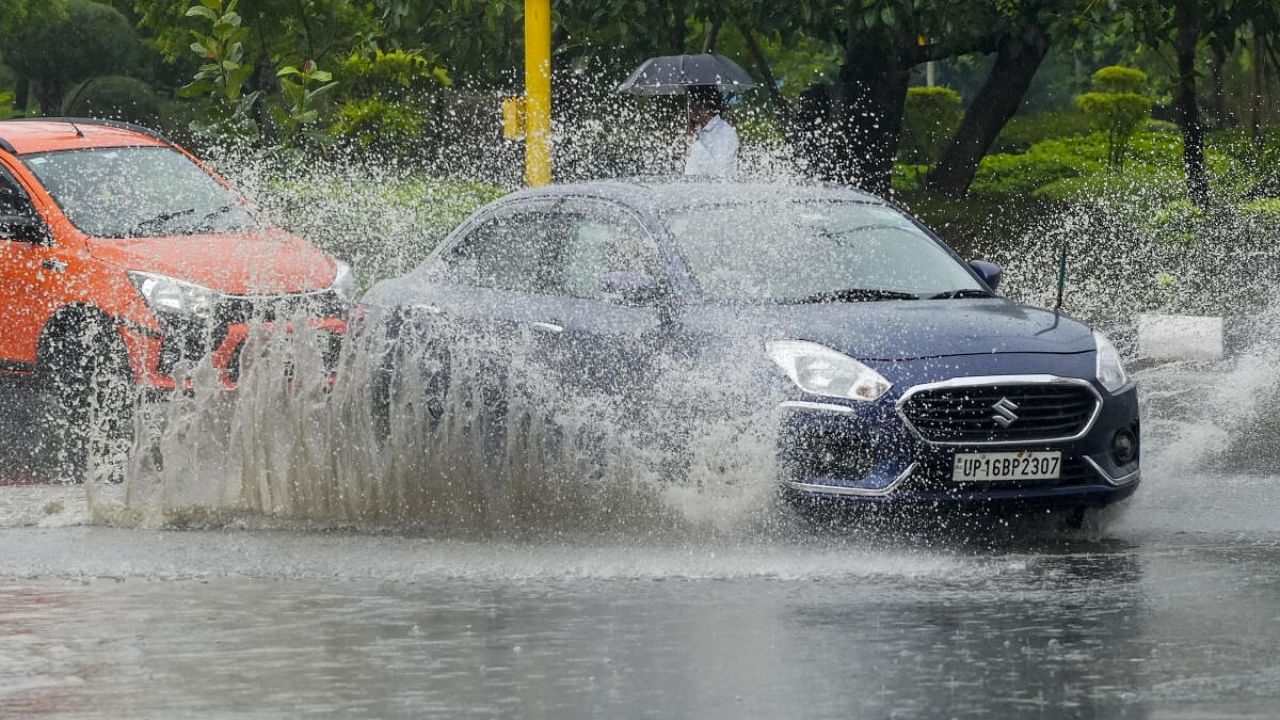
226	68
56	50
1116	109
1120	79
1023	174
384	94
380	125
1264	211
1179	220
19	15
930	117
395	75
6	105
302	89
1023	131
115	97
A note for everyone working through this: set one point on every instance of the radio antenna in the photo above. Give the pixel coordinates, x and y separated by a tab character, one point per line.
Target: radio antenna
79	133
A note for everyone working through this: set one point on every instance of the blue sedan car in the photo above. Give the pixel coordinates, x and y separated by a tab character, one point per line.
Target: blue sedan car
898	375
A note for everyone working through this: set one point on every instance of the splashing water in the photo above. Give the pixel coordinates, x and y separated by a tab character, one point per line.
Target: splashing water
310	450
294	444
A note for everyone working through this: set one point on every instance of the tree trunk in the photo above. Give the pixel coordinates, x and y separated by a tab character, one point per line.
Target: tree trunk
678	30
1017	60
49	97
1188	22
22	95
867	113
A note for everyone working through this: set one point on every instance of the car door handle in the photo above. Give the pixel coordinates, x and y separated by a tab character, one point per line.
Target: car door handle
54	265
547	328
428	309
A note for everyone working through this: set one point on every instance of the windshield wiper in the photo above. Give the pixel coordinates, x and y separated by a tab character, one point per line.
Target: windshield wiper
160	219
203	223
856	295
963	293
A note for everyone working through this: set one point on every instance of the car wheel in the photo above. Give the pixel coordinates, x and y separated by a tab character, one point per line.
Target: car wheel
395	396
90	401
1097	520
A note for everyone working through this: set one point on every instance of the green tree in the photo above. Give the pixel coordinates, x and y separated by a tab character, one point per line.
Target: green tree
68	43
1117	107
930	117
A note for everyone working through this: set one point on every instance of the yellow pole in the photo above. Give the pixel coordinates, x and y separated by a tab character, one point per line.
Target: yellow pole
537	91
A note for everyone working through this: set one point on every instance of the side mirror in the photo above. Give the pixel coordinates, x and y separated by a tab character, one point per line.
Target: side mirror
990	273
23	228
632	287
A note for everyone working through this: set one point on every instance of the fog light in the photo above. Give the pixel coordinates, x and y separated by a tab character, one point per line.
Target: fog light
1124	447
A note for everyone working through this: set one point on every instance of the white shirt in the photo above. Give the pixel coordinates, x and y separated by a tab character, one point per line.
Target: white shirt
713	149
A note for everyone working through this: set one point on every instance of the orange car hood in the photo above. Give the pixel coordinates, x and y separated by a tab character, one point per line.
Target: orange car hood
261	262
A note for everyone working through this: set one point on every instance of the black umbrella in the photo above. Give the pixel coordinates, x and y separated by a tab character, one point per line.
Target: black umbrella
673	74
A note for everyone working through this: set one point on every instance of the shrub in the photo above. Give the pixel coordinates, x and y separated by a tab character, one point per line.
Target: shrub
1178	221
930	116
56	52
114	97
1119	79
1023	174
1023	131
383	98
379	125
1116	108
1265	211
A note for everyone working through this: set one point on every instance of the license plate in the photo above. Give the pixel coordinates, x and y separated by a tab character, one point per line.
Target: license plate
978	467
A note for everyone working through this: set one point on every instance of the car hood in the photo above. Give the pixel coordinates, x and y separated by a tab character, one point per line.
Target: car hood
904	330
260	262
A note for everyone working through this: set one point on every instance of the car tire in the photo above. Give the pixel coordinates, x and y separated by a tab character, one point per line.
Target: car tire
432	365
90	401
1097	520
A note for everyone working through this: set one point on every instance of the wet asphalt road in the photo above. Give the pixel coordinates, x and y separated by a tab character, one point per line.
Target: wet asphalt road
1173	614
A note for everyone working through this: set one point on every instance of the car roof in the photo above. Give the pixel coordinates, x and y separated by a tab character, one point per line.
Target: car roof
24	136
667	194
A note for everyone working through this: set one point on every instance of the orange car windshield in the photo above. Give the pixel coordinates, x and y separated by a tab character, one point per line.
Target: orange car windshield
138	192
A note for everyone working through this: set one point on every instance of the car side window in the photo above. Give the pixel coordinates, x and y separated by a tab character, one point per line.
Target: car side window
13	199
517	250
602	239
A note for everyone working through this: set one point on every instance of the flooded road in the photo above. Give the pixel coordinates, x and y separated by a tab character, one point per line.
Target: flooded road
1175	613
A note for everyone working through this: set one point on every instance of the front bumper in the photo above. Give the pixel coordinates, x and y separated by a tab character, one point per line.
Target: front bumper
155	356
868	454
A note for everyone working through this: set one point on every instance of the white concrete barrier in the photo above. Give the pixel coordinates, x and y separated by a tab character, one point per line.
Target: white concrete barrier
1180	337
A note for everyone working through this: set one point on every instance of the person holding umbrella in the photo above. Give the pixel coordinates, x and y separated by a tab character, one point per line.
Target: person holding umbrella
713	143
703	78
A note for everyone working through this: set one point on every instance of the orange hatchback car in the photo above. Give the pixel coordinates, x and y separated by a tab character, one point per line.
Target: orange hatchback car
122	257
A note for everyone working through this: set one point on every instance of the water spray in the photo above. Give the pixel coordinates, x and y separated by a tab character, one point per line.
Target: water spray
1062	278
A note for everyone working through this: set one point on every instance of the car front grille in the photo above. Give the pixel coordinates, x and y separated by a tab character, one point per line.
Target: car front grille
1016	412
233	309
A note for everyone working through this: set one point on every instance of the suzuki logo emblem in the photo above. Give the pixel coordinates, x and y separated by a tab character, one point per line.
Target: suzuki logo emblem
1005	415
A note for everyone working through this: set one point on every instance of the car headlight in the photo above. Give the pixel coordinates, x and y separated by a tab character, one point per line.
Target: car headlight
171	296
1110	369
819	370
344	283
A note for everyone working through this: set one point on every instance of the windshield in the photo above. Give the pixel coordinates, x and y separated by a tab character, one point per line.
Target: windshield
138	192
783	251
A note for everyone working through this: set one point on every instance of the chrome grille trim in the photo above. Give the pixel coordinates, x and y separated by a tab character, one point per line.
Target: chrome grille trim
845	490
984	381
